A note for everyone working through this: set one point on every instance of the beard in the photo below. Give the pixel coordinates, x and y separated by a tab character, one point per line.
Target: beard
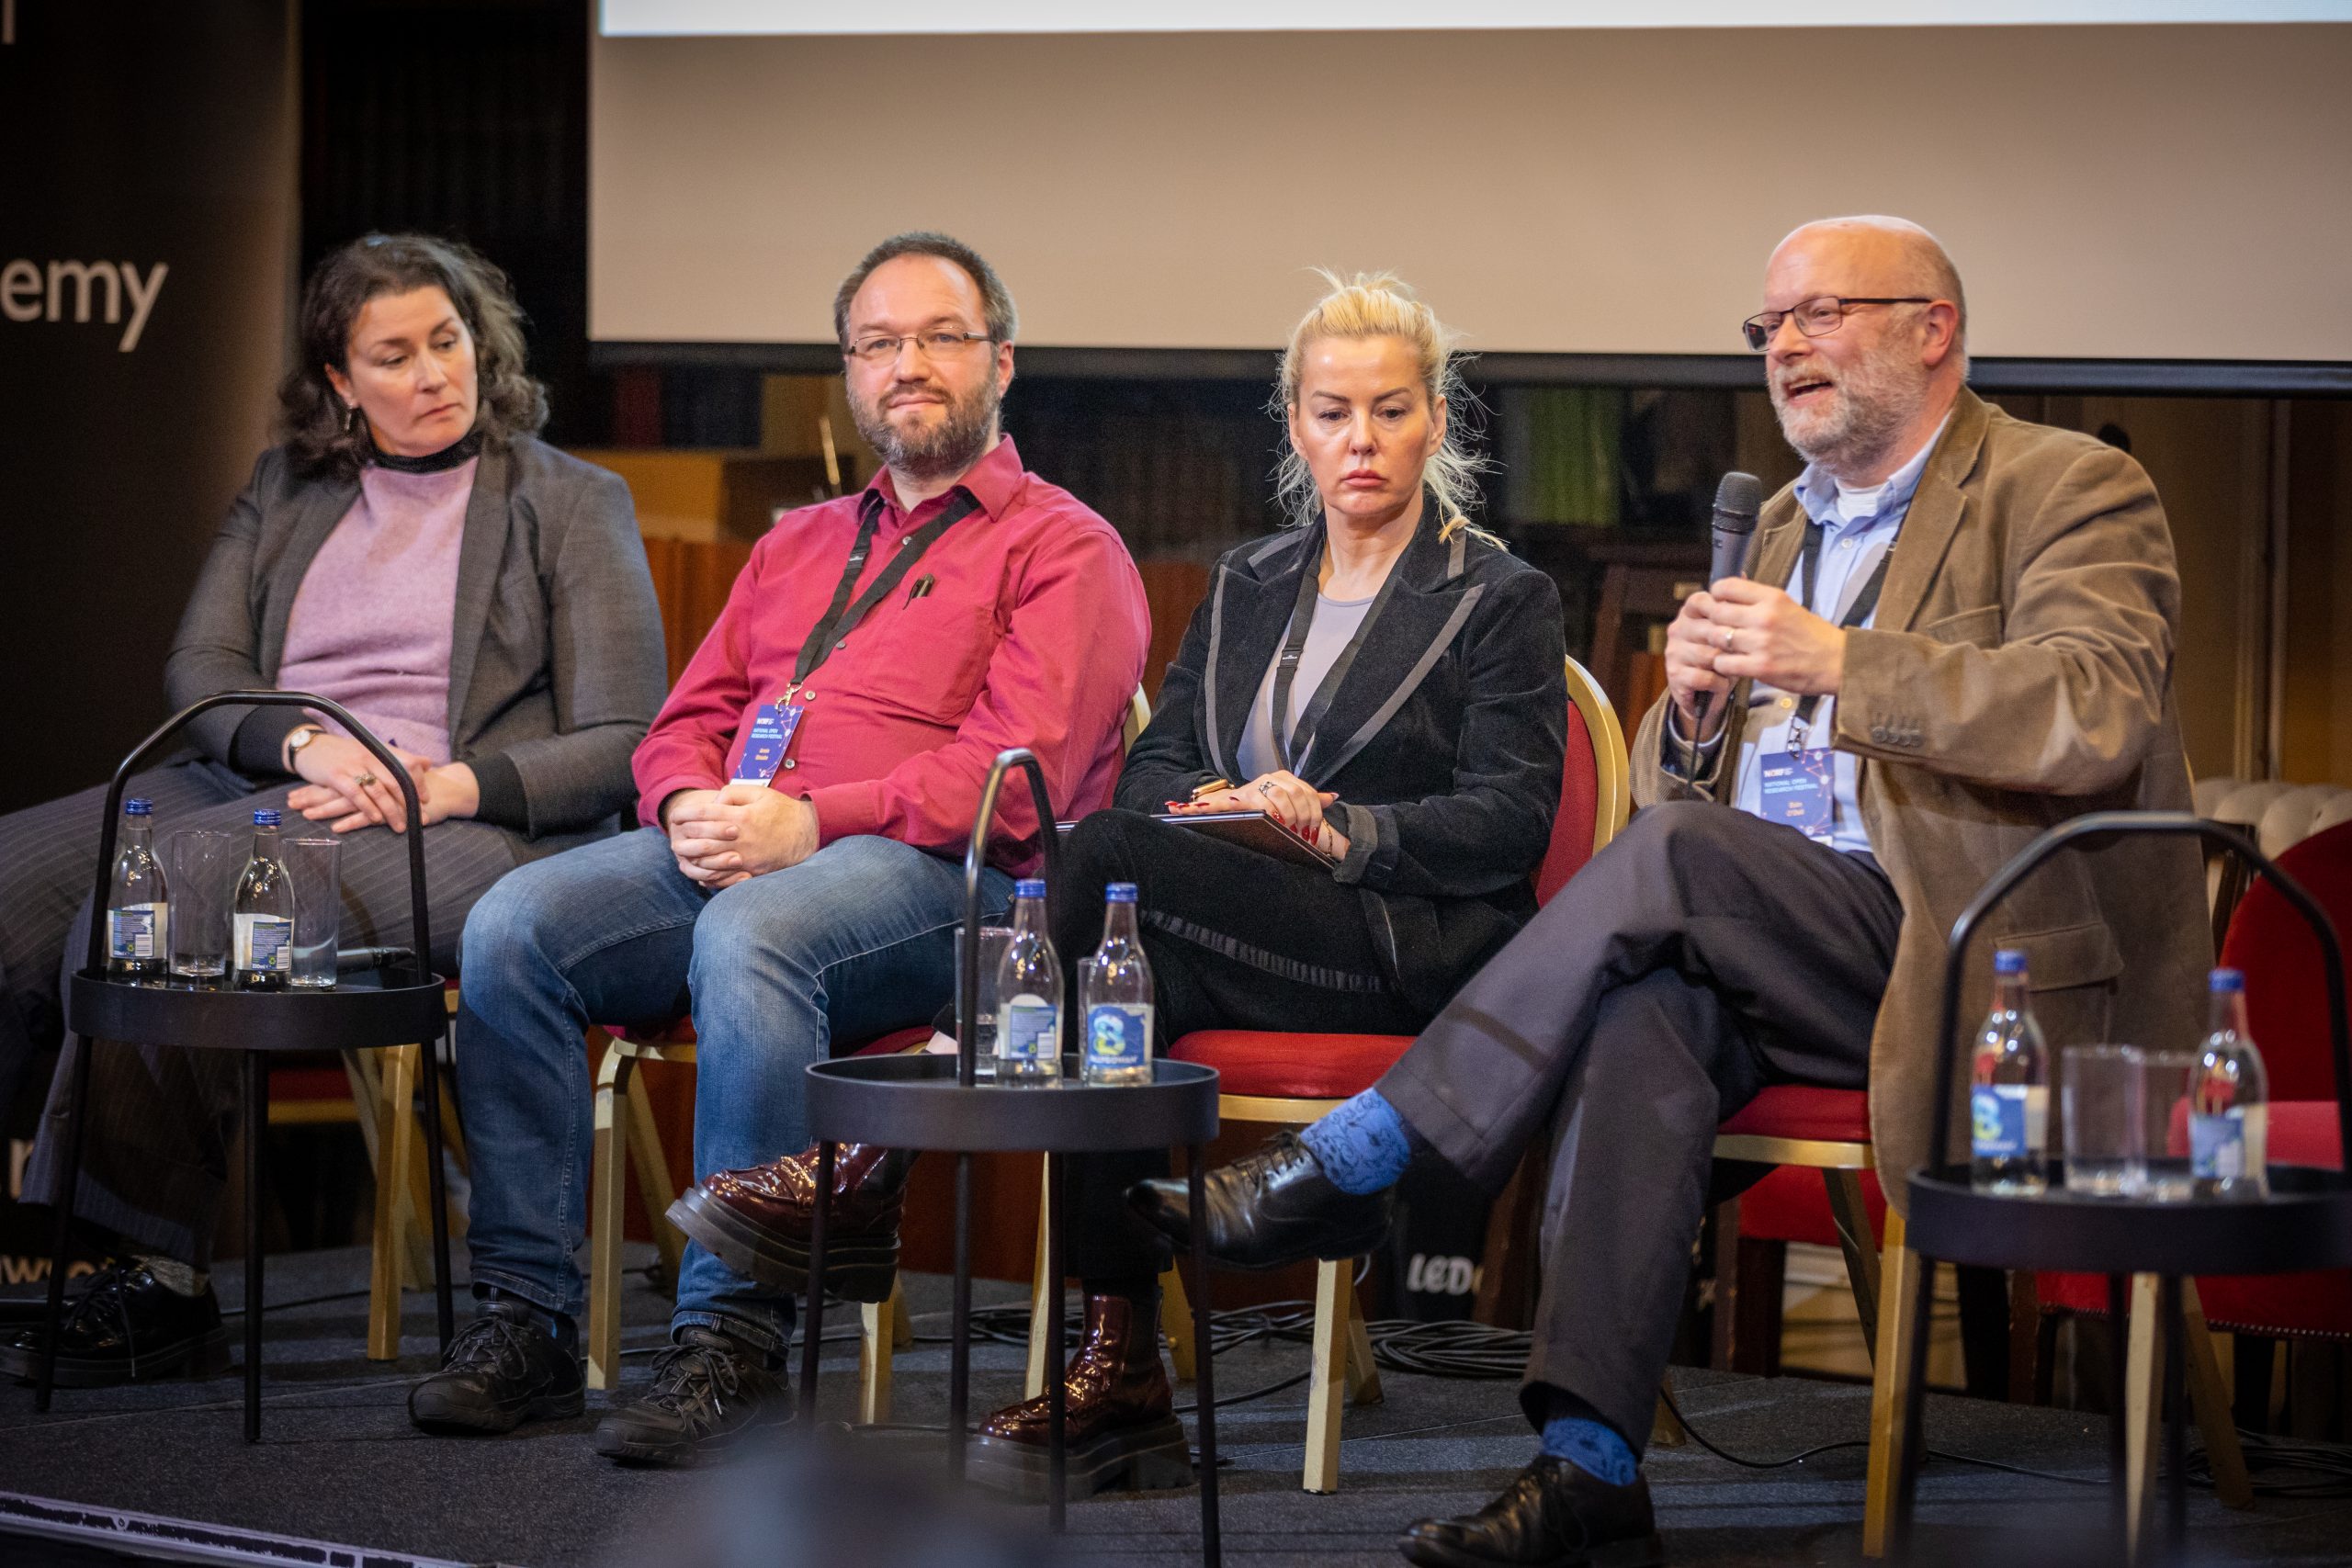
1872	402
942	450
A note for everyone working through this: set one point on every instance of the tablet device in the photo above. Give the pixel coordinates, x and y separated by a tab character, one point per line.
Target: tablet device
1252	829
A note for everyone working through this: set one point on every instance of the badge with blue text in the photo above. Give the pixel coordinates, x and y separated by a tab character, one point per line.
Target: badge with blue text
771	737
1797	790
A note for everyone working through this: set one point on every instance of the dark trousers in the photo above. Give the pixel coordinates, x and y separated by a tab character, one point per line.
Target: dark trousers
155	1155
1236	940
1702	956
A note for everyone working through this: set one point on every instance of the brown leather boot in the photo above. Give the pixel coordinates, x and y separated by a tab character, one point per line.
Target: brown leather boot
757	1221
1119	1419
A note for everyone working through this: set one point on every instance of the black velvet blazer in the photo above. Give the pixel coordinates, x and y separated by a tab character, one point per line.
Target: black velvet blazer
1443	741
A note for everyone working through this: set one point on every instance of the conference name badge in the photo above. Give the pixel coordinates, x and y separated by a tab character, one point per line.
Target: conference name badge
1797	791
771	737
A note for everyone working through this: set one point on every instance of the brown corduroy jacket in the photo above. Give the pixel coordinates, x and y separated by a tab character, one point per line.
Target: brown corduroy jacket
2017	673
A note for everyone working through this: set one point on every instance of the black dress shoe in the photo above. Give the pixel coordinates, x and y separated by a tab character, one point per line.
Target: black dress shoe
708	1390
1271	1207
125	1325
504	1368
1556	1515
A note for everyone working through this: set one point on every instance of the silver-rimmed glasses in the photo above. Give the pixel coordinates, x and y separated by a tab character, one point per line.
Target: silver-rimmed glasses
1816	317
879	351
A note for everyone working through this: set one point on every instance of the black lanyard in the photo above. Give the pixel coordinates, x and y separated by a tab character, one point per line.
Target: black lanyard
1809	564
842	617
1289	748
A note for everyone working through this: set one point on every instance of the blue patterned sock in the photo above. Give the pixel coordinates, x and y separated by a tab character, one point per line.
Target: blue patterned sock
1363	1145
1592	1446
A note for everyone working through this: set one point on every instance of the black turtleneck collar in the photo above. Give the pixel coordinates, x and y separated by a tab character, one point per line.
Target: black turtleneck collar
461	450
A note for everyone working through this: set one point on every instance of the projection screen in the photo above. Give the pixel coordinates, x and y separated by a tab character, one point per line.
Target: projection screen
2110	192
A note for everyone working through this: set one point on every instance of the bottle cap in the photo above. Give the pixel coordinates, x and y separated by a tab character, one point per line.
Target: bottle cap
135	807
2227	980
1029	888
1120	893
2009	960
264	817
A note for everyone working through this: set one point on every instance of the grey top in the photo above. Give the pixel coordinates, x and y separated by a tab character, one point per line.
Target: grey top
1336	621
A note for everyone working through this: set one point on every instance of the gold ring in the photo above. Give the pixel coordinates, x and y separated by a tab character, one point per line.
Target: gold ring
365	780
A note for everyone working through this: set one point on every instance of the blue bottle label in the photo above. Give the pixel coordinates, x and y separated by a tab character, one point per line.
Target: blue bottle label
1997	1117
1026	1031
1118	1035
2217	1146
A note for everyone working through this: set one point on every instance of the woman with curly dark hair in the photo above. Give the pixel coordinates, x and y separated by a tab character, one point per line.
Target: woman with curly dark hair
475	598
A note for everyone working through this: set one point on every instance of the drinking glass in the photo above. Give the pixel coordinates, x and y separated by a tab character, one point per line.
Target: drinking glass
2101	1119
994	941
2165	1079
312	865
200	866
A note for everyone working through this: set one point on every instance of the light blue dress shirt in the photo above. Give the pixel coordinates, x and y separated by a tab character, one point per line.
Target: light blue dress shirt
1850	550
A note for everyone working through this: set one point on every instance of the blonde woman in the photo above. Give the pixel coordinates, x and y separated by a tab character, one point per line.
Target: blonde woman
1386	679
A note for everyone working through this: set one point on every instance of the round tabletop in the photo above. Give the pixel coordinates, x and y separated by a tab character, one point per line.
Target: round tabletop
361	1010
2306	1223
914	1102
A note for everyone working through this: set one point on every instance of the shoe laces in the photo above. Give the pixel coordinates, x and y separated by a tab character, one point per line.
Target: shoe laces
104	1297
492	1343
692	1379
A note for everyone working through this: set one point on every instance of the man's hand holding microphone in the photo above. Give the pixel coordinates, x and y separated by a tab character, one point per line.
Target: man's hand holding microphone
1737	630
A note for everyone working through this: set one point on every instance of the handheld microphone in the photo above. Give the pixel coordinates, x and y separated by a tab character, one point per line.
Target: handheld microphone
1737	500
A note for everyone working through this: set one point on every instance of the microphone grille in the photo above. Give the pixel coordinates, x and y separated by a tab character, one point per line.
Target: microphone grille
1740	494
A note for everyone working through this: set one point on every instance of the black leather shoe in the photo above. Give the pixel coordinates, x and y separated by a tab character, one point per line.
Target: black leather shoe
1556	1515
1271	1207
504	1368
126	1326
708	1390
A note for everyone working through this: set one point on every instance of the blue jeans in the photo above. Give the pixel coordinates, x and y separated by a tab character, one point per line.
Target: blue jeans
853	941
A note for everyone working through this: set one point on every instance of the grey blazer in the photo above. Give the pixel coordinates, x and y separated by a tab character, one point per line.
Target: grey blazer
556	662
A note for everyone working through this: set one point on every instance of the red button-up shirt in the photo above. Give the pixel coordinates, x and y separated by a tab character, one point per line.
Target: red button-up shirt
1032	633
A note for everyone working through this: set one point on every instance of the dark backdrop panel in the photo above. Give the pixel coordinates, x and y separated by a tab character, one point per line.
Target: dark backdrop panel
152	133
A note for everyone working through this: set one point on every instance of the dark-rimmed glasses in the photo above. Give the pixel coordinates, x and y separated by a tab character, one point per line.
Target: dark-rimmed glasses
934	345
1816	317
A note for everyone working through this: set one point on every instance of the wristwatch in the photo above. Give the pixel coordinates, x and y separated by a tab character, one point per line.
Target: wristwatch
301	735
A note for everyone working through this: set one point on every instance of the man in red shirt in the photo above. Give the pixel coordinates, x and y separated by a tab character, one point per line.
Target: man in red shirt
807	795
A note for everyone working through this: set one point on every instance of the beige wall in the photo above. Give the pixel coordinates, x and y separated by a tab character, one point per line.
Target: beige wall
2110	192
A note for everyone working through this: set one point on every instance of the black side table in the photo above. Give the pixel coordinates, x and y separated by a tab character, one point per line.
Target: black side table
398	1006
2305	1222
931	1103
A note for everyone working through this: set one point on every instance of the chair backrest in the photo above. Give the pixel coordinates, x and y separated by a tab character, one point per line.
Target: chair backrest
1596	787
2285	997
1138	717
2287	821
2244	805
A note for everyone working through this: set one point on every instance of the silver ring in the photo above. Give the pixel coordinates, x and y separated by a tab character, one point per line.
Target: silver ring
1728	636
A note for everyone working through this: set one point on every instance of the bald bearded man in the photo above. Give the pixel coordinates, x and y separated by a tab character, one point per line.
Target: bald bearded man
1956	630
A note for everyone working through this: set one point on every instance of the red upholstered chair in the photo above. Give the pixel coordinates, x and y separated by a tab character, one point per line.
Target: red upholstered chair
2287	1009
1293	1078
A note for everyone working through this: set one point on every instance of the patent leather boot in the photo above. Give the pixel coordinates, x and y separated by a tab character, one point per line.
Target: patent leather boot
1119	1417
757	1221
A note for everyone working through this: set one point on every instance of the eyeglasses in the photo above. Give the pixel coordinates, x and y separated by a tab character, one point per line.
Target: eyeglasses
1816	317
879	351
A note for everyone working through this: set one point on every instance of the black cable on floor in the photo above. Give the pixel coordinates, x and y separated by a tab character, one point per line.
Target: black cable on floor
2285	1466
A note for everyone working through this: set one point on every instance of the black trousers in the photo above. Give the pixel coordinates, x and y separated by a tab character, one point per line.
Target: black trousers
1703	955
1236	940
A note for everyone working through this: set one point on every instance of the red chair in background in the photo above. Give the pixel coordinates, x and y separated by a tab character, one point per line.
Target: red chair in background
2287	1009
1289	1079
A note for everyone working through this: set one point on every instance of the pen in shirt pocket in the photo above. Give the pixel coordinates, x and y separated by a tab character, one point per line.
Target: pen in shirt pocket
924	585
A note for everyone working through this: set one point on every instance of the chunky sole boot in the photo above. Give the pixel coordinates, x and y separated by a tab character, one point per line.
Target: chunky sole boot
1154	1457
857	1269
205	1356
